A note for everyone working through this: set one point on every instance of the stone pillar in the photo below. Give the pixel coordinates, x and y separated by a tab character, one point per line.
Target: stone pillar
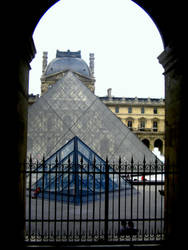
44	61
175	147
163	151
109	93
91	63
151	146
16	137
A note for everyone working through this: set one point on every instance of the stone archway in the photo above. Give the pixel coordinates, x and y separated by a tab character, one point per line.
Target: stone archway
159	144
25	16
146	142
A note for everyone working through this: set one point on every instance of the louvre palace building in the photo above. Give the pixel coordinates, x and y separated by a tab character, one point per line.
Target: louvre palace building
142	117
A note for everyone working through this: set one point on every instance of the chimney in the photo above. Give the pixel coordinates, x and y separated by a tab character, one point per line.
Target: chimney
91	63
44	61
109	93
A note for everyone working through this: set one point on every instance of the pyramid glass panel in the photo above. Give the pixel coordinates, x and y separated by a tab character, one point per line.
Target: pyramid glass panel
75	173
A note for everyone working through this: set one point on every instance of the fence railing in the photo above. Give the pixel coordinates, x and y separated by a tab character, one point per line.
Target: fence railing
77	203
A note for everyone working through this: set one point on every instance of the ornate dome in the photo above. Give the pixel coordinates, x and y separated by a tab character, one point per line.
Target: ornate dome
68	61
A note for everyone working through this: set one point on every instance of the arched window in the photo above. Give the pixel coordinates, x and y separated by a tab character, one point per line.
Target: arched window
159	144
146	142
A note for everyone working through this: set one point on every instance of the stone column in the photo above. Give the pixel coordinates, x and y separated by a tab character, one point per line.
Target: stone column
91	63
163	149
109	93
151	144
44	61
175	146
16	125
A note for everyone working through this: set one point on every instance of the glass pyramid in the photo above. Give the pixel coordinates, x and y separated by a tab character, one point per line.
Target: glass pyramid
75	173
70	109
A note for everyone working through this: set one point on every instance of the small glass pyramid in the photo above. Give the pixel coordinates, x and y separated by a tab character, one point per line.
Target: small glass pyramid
75	173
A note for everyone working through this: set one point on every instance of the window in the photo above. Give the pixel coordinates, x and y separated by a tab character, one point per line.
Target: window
130	124
129	110
142	125
142	110
155	126
155	110
116	109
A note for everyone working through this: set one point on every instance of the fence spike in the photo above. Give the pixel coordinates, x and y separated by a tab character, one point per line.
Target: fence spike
94	161
56	160
144	160
69	160
132	160
113	164
81	160
43	162
156	160
30	159
119	164
156	164
119	160
106	159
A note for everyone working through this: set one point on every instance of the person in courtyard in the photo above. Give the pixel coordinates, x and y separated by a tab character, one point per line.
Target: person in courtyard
128	228
143	178
36	192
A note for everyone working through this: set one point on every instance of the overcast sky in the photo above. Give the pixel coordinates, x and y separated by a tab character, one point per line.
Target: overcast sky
124	39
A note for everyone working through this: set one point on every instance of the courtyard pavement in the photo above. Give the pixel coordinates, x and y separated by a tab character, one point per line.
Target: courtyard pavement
143	205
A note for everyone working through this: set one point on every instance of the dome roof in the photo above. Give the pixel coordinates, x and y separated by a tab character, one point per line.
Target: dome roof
74	64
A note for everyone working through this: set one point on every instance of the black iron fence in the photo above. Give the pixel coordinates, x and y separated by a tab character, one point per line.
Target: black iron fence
110	203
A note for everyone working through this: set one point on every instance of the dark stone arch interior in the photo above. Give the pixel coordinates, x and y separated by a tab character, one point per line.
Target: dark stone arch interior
170	18
158	144
146	142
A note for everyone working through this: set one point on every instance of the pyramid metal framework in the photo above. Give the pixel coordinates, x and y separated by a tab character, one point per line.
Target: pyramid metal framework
70	109
76	174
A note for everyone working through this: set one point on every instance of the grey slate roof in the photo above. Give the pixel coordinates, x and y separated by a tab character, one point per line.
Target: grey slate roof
70	109
65	62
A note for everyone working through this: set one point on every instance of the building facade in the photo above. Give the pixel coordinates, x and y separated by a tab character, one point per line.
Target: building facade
144	116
